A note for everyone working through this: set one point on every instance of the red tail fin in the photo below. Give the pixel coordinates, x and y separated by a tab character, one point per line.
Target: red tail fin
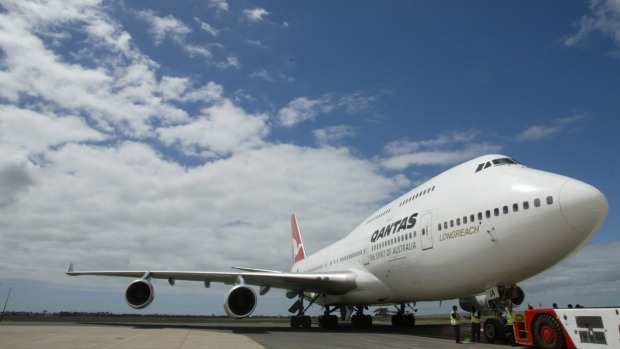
299	252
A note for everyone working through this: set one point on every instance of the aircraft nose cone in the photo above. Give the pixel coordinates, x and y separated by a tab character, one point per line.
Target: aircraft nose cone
583	206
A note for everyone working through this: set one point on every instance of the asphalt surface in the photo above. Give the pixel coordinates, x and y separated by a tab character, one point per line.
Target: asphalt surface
17	335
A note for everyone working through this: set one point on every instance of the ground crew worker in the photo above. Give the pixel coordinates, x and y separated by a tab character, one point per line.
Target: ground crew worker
475	325
510	320
454	321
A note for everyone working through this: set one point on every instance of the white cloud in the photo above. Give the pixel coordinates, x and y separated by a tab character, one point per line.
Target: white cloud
221	130
333	134
219	5
591	270
604	17
255	15
302	108
163	27
539	132
446	149
208	28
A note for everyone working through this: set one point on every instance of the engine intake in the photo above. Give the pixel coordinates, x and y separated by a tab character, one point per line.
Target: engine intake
140	294
240	302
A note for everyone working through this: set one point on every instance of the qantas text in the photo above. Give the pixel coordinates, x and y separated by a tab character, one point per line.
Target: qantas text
401	224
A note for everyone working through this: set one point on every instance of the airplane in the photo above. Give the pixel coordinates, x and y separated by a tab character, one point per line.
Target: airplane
473	232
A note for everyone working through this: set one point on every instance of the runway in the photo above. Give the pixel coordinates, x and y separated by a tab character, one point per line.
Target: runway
18	335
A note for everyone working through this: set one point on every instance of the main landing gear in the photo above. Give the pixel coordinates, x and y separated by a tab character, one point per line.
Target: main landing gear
359	320
301	320
400	319
327	320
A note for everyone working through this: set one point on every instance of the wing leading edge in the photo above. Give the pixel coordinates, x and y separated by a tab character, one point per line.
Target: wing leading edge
336	283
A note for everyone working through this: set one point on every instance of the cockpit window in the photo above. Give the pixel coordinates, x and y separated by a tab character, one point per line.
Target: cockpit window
496	162
504	161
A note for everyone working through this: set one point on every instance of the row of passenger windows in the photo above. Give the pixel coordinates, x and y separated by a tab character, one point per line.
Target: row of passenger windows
417	195
525	205
395	240
379	215
347	257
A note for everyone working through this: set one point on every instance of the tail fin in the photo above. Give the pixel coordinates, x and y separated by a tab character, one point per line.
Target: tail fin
299	253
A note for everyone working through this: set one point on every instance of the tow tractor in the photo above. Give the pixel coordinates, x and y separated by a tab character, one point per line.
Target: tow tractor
568	328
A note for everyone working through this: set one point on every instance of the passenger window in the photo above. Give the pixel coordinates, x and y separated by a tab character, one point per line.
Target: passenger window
479	216
515	207
488	214
439	226
451	223
496	212
445	225
458	221
465	220
472	218
537	202
505	209
549	200
526	205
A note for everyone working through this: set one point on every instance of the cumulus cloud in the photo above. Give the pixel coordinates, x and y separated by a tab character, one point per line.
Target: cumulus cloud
540	132
221	129
96	153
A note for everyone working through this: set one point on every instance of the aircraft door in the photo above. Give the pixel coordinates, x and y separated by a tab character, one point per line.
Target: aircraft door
366	253
426	233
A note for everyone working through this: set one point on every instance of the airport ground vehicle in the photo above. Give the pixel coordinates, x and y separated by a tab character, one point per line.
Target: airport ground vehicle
568	328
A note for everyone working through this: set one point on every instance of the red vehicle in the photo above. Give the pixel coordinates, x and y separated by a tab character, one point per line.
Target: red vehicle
568	328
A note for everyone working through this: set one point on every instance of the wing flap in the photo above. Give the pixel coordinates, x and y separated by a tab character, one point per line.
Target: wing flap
335	283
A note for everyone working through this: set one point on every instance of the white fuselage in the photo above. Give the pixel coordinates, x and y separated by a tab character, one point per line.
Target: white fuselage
476	226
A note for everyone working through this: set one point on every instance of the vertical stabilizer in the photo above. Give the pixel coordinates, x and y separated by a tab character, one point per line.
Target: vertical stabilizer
299	252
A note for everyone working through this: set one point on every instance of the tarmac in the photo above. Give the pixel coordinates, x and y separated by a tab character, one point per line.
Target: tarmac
19	335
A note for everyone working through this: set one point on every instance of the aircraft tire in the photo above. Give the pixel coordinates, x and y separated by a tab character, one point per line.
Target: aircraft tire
548	333
493	330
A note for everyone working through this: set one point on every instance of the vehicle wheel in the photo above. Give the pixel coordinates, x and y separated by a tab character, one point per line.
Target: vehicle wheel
548	333
493	330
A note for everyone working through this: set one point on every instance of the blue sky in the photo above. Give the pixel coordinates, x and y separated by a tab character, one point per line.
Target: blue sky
154	135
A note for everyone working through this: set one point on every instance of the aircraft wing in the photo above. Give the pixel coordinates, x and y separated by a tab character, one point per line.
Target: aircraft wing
334	283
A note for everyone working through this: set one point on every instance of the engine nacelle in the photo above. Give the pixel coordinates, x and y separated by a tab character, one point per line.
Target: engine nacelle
240	302
140	294
479	301
515	294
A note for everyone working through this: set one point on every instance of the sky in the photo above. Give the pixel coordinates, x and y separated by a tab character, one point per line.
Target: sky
163	135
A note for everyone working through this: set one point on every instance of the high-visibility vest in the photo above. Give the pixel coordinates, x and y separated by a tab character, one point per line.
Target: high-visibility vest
454	318
509	318
475	317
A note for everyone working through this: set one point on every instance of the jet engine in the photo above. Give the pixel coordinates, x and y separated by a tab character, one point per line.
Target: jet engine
240	301
486	307
479	301
140	294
